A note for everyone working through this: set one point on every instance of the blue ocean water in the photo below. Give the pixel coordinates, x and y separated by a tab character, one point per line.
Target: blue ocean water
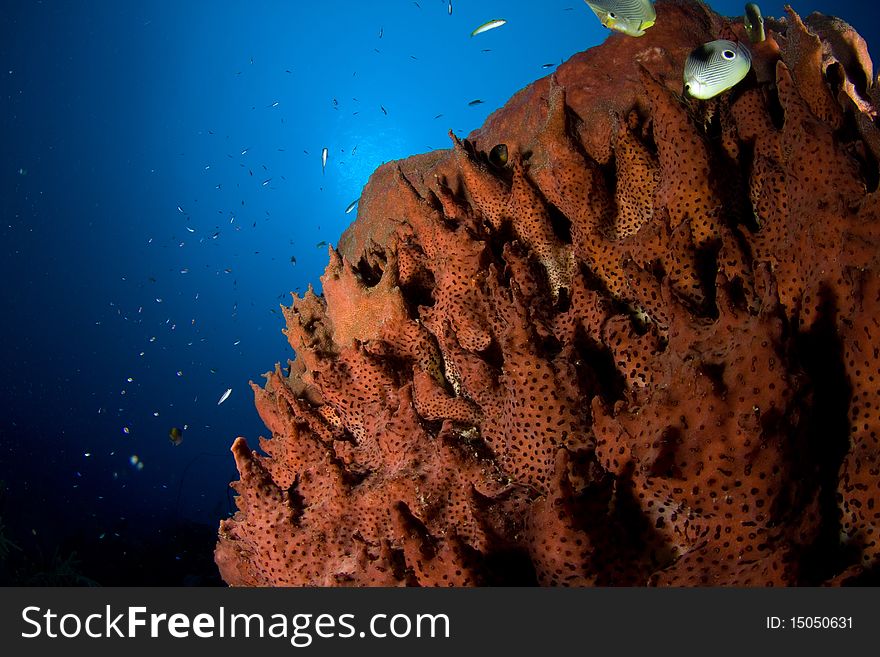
162	193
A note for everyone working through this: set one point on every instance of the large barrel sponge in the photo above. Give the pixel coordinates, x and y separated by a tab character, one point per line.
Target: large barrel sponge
644	349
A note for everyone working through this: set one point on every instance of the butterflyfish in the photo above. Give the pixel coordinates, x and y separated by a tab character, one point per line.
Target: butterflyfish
630	17
754	23
715	67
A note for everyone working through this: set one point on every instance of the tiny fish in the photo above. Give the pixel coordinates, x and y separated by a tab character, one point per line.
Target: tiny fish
176	436
352	205
180	209
630	17
320	244
490	25
548	65
266	182
192	230
324	154
473	103
293	260
449	8
225	396
715	67
381	32
384	111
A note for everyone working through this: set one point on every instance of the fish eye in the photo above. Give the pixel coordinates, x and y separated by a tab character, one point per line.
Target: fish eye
728	54
611	14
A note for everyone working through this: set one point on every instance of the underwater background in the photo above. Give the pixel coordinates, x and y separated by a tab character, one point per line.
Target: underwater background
162	194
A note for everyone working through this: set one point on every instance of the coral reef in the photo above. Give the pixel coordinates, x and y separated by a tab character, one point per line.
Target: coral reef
643	350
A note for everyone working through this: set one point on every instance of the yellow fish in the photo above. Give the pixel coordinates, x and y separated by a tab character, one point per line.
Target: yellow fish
490	25
754	23
498	155
630	17
715	67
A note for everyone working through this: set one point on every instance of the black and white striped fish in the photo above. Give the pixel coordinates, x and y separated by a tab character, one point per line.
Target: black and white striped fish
631	17
715	67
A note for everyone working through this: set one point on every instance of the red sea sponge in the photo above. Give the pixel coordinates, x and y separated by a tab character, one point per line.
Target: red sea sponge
643	349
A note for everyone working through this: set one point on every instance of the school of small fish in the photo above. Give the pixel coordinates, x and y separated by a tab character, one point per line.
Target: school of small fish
709	70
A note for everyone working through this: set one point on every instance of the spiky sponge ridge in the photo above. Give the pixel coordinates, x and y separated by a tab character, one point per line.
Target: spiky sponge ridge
642	350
